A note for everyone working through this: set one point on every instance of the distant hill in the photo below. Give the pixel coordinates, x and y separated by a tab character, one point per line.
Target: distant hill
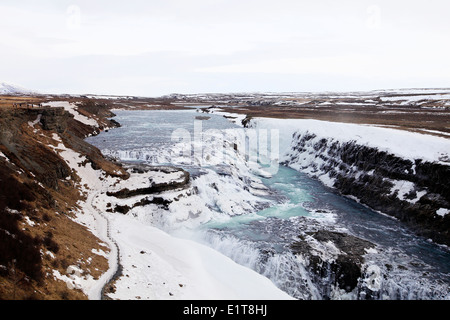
12	89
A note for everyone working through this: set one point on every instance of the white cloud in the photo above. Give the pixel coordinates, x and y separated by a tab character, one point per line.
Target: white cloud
183	42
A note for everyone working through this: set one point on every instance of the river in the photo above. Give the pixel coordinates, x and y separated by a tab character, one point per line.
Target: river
406	266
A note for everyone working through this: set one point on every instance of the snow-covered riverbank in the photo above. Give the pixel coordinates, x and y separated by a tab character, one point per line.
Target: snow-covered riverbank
156	265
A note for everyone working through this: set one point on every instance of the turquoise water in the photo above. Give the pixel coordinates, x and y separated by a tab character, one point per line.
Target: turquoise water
291	201
286	182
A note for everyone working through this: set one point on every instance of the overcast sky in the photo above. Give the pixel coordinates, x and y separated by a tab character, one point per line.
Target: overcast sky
157	47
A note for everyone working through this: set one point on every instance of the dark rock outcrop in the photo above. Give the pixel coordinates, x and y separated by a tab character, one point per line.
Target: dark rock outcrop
345	270
22	147
55	119
153	188
124	209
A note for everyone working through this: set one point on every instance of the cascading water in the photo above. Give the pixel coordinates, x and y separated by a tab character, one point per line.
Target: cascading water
399	266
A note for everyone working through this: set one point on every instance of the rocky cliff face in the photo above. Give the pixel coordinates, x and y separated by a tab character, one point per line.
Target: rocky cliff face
415	192
38	193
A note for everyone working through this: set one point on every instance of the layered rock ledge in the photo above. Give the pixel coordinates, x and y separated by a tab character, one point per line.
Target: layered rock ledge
147	180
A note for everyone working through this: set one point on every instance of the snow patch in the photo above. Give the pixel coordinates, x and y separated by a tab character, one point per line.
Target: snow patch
74	278
373	279
29	221
4	157
402	188
442	212
35	122
72	108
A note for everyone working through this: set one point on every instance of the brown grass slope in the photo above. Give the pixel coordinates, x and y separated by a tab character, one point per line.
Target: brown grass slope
38	197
